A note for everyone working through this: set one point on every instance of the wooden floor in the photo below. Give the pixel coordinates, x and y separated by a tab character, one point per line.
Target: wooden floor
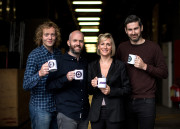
167	118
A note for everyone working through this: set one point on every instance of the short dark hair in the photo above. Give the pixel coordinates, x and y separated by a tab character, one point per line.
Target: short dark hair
132	18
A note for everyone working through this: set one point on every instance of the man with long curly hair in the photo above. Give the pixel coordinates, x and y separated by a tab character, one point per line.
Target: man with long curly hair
42	103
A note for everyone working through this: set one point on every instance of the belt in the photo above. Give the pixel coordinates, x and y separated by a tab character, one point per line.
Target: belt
136	99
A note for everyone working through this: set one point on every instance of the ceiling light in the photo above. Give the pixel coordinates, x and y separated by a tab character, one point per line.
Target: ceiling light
89	23
88	10
90	48
87	2
89	30
7	9
88	18
90	38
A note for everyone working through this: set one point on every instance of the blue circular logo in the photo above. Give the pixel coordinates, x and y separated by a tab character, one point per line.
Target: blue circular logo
78	74
129	59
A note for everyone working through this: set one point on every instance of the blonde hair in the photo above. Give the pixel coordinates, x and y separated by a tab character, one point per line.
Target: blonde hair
46	25
104	37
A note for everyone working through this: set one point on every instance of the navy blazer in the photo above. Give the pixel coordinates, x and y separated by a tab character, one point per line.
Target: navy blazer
118	81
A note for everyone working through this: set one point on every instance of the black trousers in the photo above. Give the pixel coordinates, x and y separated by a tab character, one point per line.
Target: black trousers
141	113
104	123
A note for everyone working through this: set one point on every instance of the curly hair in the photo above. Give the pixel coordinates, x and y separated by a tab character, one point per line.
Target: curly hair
46	25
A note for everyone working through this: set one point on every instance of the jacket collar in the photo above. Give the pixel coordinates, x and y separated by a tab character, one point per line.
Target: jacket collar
98	69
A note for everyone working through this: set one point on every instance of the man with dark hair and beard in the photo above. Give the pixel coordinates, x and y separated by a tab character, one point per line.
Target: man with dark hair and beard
149	65
71	94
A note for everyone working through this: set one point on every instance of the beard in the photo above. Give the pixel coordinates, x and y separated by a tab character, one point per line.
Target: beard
137	39
74	51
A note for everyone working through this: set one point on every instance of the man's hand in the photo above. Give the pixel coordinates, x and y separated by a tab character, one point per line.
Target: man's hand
139	63
44	70
70	75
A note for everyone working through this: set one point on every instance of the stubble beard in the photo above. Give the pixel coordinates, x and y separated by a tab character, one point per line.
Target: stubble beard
75	52
136	40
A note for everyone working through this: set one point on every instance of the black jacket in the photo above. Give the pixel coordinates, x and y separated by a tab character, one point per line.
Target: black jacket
118	81
71	97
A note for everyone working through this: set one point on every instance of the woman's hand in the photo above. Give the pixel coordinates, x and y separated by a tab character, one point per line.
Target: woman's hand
106	90
94	82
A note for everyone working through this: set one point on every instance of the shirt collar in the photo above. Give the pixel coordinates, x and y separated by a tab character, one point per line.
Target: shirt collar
45	51
69	57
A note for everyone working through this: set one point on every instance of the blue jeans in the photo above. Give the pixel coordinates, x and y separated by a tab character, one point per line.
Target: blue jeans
65	122
141	113
41	119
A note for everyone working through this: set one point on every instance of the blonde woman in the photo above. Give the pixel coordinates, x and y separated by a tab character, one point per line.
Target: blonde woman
107	107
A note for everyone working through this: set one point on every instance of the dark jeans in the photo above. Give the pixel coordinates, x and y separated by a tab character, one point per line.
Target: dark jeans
104	123
65	122
141	113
